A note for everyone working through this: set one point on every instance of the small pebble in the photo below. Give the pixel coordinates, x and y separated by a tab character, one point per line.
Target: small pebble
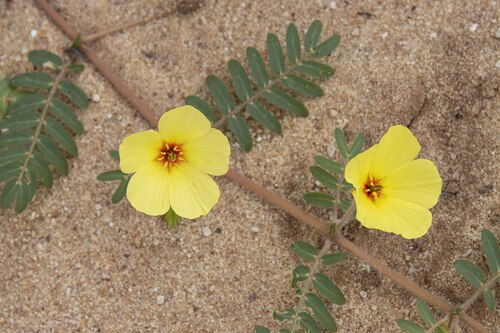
384	34
33	33
497	65
330	150
160	299
497	34
355	32
258	139
363	294
96	98
206	231
334	113
433	35
254	229
473	27
332	4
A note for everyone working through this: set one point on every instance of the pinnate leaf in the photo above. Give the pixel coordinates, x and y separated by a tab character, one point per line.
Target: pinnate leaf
239	128
491	250
321	312
304	250
32	80
312	35
264	117
275	52
326	287
292	43
257	67
319	199
220	93
469	271
326	47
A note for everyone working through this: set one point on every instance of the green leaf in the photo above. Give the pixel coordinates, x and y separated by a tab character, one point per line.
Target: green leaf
312	35
314	69
489	298
284	330
31	102
333	258
8	96
299	273
42	170
240	80
264	117
74	93
257	67
409	326
114	154
319	199
275	53
287	102
63	112
16	153
32	80
345	205
308	324
326	47
172	220
328	164
341	143
321	312
285	315
10	170
201	105
22	196
328	288
16	138
61	136
21	121
31	171
120	191
425	313
302	86
262	329
8	194
491	250
220	93
292	43
239	127
43	58
111	175
304	250
76	68
357	145
324	177
53	155
473	274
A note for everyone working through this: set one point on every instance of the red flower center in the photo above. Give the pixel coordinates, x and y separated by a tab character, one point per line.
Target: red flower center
171	155
373	188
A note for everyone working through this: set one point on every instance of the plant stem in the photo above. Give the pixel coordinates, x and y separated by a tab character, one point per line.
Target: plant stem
308	282
479	291
288	207
101	34
41	121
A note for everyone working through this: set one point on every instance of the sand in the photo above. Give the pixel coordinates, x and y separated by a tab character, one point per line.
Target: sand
74	262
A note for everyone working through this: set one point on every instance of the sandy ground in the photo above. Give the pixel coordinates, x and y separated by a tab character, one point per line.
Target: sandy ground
73	262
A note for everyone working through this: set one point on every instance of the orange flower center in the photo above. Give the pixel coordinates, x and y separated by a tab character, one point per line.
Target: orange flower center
171	155
373	188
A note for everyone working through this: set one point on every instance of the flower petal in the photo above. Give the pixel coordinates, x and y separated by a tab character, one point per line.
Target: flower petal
397	147
192	193
417	181
183	124
391	215
357	170
139	149
406	218
147	190
208	153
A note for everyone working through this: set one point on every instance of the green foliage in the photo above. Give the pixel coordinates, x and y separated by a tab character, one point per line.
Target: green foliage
475	276
304	250
116	175
37	127
282	88
472	273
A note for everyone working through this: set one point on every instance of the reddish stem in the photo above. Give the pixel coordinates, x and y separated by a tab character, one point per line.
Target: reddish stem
288	207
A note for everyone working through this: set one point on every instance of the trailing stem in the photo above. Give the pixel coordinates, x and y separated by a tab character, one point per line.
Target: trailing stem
288	207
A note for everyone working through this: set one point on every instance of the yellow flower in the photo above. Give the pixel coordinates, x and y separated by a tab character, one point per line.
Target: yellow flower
172	165
394	192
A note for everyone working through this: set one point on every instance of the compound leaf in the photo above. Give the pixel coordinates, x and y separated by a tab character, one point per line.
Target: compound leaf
264	117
